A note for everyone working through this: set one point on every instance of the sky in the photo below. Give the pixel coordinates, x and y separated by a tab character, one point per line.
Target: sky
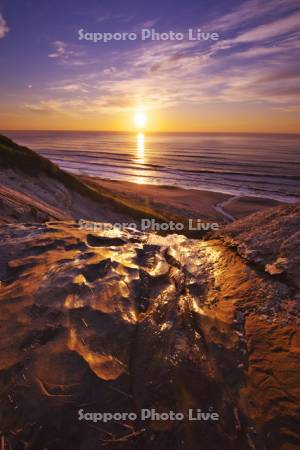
247	80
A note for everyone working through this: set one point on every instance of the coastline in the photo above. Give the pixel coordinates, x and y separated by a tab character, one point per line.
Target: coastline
104	200
172	201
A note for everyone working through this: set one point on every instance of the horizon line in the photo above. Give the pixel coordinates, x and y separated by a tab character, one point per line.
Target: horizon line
152	132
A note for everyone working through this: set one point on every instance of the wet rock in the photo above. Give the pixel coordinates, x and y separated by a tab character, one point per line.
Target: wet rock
163	323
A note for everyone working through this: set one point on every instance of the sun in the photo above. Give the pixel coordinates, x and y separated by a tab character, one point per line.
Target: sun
140	119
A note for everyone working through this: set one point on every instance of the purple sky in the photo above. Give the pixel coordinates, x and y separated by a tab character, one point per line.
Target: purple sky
248	80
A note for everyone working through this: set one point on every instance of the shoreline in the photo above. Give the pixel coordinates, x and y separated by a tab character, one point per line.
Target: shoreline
103	200
173	201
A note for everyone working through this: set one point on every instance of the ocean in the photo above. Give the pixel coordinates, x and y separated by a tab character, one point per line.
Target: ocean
239	164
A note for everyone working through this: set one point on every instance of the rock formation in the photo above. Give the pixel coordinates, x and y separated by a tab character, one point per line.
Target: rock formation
120	321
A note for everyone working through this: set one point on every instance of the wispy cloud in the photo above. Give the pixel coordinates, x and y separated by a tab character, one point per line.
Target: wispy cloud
67	54
69	87
250	10
44	106
59	50
255	63
3	27
149	23
272	29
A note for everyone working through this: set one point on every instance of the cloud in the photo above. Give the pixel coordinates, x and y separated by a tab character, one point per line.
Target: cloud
44	107
69	87
272	29
69	54
150	23
109	70
255	64
3	27
251	10
60	50
285	46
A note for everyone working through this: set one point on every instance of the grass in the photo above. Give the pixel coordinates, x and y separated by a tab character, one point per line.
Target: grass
14	156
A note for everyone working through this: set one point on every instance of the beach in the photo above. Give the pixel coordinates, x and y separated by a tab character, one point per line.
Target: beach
172	201
236	164
211	177
124	200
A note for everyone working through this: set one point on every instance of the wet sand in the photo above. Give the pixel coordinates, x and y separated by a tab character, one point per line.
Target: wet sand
185	203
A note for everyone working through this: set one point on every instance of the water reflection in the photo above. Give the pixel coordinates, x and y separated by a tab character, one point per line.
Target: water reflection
140	148
140	154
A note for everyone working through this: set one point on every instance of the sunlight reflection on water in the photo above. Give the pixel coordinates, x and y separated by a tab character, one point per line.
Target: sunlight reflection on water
140	153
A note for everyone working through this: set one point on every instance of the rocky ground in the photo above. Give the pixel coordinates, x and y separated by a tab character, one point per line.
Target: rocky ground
119	321
112	322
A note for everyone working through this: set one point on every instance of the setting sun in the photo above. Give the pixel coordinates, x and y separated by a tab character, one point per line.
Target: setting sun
140	119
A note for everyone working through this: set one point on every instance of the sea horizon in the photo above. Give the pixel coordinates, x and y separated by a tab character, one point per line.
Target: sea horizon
148	132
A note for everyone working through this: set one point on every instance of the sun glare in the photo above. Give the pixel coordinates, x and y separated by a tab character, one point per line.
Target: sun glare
140	119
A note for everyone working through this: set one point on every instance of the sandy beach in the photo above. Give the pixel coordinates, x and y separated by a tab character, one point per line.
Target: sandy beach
171	201
25	193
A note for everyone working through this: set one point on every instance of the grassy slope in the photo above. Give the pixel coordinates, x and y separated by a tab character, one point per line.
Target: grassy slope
14	156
